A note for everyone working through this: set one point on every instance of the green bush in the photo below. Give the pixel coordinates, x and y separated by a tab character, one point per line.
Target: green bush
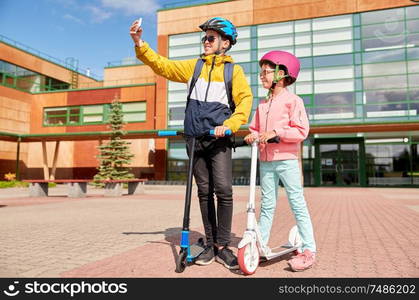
13	183
20	184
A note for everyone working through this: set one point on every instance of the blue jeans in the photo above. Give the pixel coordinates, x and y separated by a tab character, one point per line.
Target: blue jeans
288	171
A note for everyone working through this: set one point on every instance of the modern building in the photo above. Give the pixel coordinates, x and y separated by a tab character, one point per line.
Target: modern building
359	81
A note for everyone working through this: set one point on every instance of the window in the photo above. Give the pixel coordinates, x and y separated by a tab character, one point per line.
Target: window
333	48
302	25
302	51
274	29
382	30
381	96
334	73
332	22
185	39
382	16
55	116
92	114
134	112
413	80
74	116
26	80
384	82
54	84
332	35
333	113
382	56
389	110
304	87
412	12
334	99
414	94
177	113
413	66
413	53
379	69
387	164
185	50
333	60
273	41
413	26
302	38
328	86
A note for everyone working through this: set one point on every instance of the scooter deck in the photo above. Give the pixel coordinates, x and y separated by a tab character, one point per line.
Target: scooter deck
196	249
286	249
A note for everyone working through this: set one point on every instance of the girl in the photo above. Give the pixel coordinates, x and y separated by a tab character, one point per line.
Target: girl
282	115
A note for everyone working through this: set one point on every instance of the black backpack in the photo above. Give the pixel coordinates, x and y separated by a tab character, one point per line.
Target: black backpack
228	80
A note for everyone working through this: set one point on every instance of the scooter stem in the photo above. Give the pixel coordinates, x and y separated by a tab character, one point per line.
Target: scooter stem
252	192
186	213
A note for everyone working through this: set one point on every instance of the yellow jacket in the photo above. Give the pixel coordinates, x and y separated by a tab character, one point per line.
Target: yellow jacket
208	102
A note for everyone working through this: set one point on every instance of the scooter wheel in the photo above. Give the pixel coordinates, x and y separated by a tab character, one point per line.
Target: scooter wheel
181	261
248	259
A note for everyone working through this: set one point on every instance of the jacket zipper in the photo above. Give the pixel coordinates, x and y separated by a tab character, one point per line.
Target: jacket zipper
209	78
266	125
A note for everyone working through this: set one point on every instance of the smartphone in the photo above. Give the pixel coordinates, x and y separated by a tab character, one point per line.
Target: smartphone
140	21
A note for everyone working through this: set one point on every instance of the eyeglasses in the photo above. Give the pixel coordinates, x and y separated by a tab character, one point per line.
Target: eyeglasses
209	38
266	72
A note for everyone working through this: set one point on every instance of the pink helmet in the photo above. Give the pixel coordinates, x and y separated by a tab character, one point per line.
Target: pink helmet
283	58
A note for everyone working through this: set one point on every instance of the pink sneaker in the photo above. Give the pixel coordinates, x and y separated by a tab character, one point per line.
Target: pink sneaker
302	261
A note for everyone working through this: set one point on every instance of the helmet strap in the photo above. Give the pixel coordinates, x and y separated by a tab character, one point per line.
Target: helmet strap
277	78
220	50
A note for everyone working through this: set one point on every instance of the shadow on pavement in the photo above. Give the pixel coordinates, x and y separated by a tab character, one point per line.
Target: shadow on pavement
172	236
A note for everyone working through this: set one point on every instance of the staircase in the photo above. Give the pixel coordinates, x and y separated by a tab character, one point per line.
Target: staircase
74	80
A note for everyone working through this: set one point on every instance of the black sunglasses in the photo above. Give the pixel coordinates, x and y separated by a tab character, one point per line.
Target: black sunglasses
209	38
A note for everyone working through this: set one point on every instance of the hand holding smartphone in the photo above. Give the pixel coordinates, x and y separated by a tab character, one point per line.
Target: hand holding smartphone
140	21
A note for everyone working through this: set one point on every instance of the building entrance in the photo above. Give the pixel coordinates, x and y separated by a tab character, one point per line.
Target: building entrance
340	162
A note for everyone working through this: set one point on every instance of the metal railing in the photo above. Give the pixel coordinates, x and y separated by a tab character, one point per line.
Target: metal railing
124	62
69	64
190	3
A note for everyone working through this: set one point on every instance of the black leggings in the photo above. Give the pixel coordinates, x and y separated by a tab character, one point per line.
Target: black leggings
213	174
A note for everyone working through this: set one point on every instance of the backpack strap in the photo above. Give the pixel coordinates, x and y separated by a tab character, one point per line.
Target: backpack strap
196	73
228	80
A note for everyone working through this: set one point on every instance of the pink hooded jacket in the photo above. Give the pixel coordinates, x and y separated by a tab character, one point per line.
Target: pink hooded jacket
285	114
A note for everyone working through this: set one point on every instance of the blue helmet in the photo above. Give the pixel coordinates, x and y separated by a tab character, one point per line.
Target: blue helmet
223	27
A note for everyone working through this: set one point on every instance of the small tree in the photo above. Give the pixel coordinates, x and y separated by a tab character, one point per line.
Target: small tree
115	154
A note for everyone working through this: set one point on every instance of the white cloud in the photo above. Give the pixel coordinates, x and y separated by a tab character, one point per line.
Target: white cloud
98	14
131	7
73	18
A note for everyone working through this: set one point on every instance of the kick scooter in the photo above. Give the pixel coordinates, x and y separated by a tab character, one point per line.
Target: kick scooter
251	247
188	253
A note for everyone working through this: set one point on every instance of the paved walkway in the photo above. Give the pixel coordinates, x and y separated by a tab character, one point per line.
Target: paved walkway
360	232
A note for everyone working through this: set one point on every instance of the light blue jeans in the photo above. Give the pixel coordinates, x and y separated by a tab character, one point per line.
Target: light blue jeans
288	171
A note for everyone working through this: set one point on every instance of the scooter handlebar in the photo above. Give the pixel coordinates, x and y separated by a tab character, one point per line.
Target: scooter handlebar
242	143
167	133
228	132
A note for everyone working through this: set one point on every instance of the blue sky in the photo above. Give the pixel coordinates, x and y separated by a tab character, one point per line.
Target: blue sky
93	31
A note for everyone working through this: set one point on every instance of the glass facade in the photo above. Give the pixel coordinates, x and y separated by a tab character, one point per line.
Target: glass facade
356	69
92	114
392	164
28	81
